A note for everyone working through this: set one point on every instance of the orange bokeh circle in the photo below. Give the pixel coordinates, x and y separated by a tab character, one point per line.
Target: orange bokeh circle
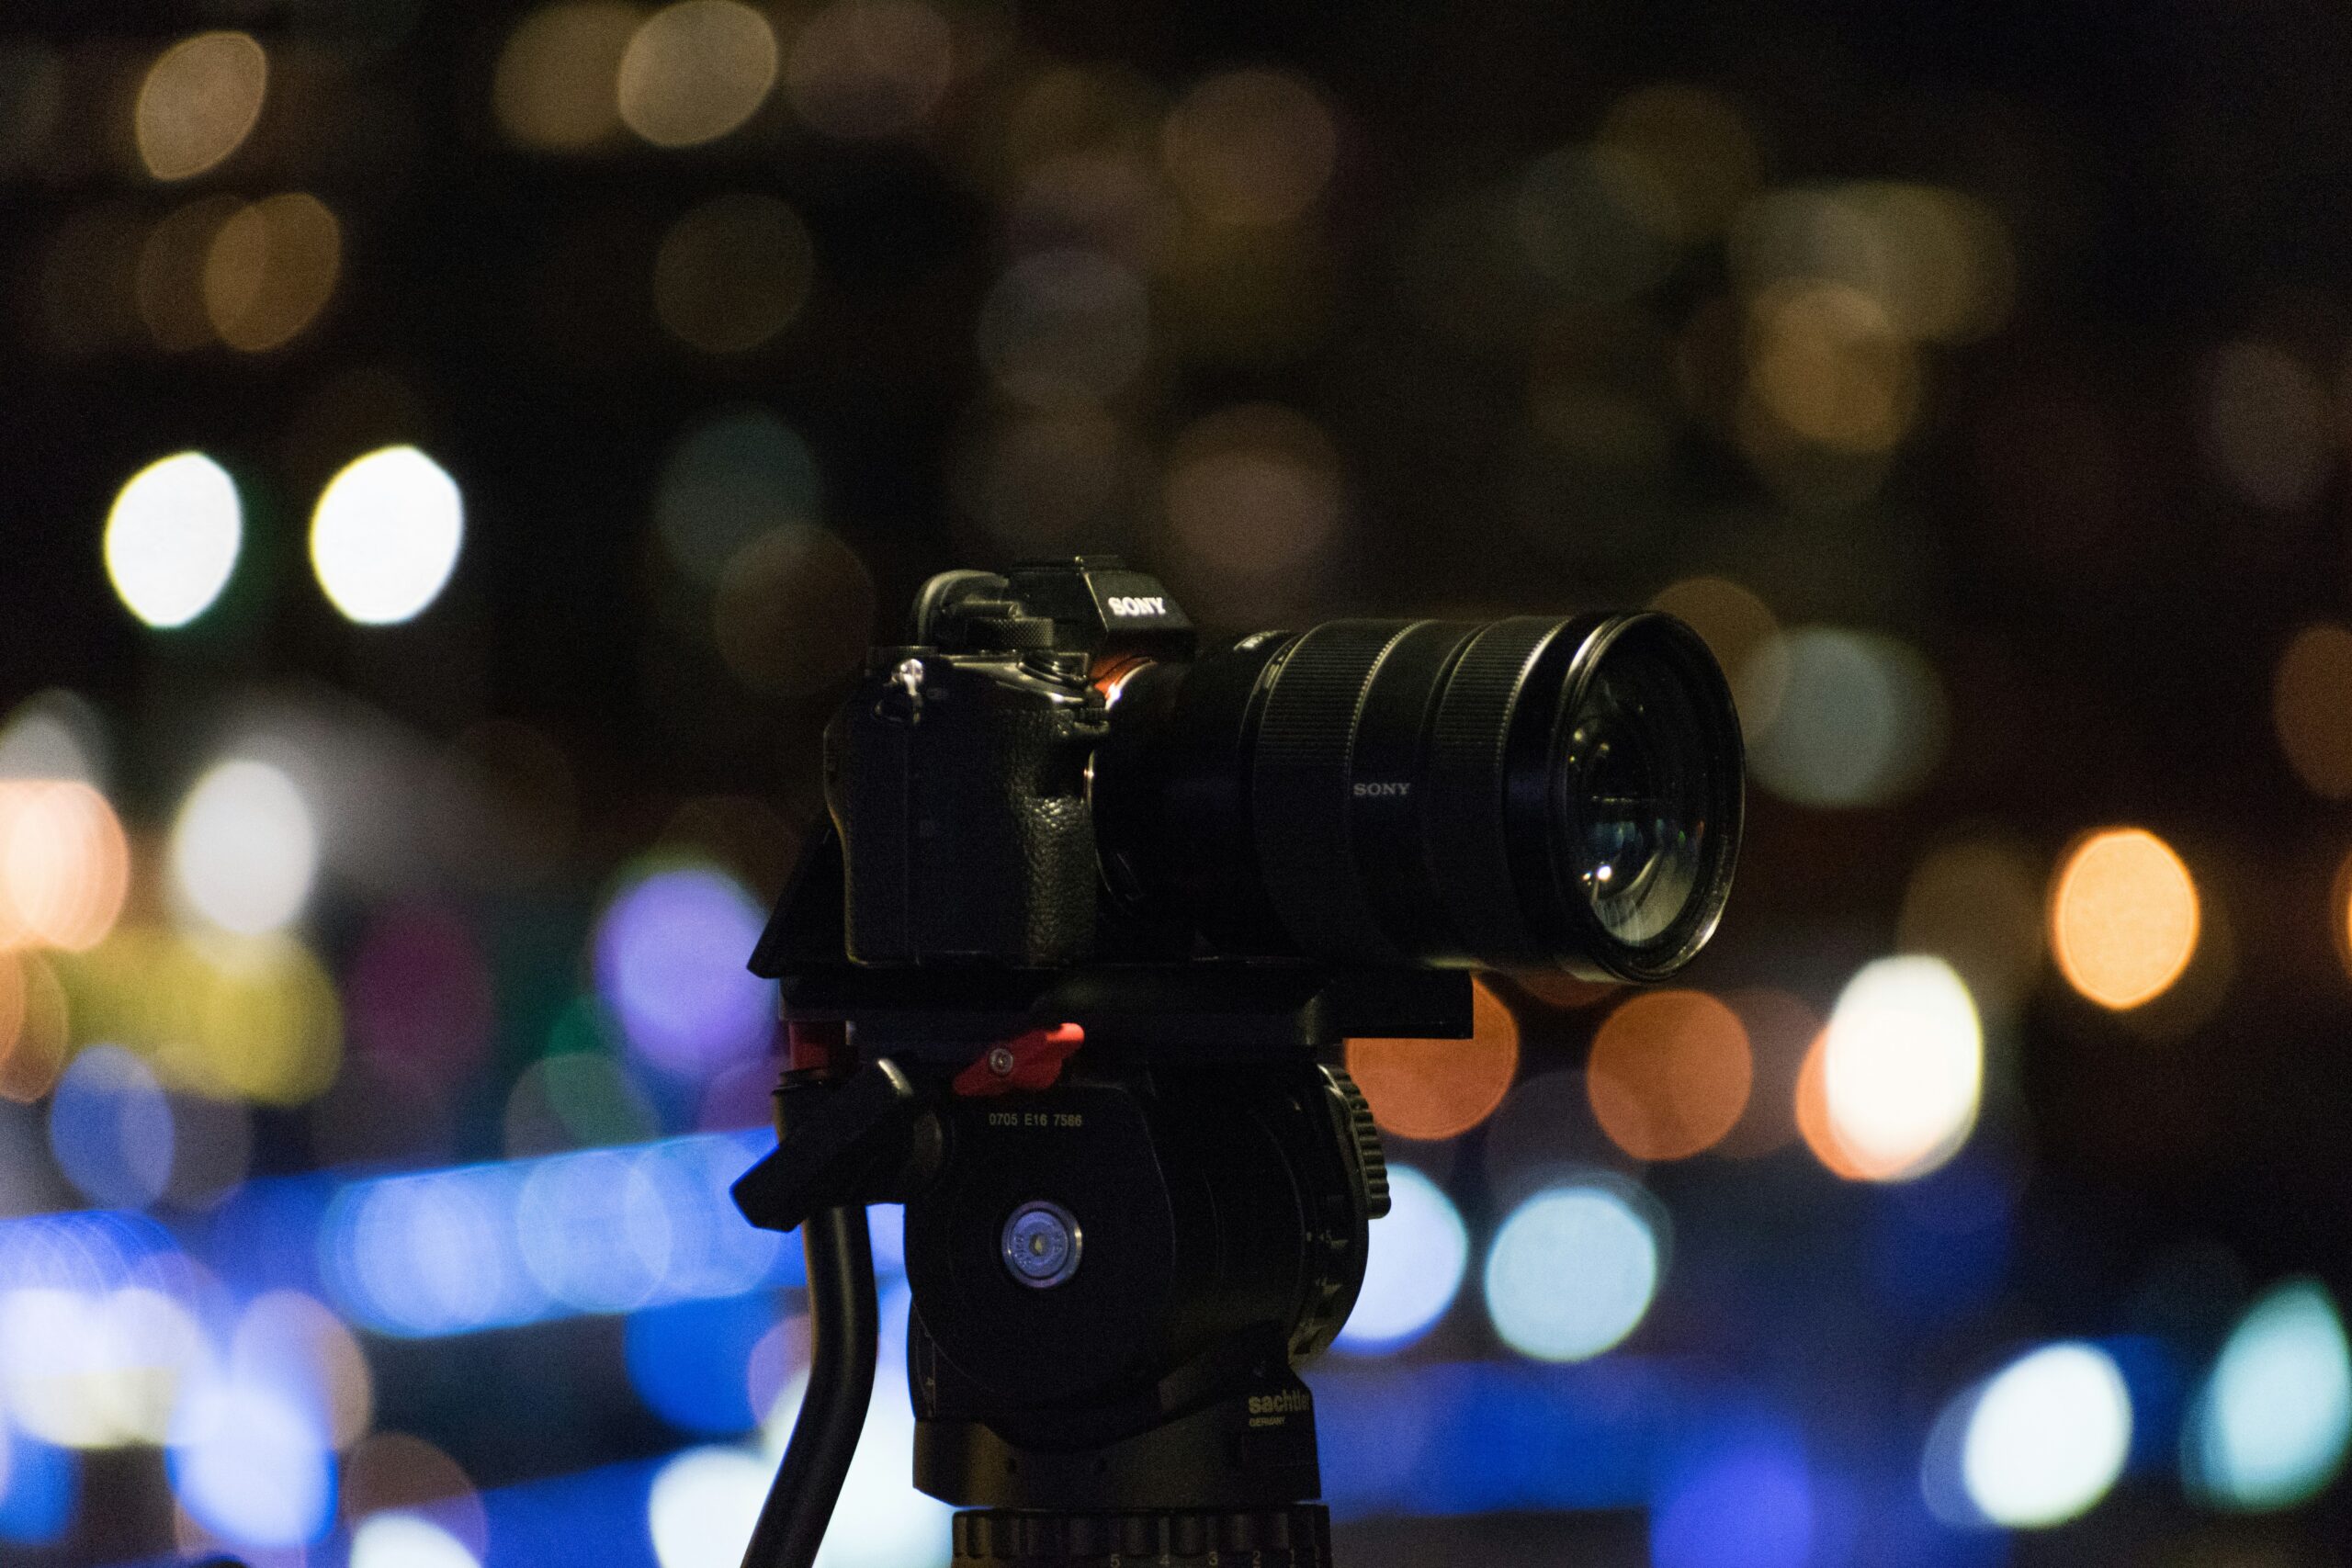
1670	1074
1439	1088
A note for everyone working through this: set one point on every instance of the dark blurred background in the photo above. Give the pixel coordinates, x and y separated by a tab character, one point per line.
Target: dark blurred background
452	456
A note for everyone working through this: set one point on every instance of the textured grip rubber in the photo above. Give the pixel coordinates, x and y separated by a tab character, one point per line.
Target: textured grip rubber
1300	784
1463	813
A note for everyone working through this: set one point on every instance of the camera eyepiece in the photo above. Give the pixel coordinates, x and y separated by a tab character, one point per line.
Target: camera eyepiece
1523	794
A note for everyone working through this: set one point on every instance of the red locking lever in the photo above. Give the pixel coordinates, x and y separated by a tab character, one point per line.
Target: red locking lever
1031	1062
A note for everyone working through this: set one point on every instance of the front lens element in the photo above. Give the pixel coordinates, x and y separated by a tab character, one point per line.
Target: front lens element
1632	802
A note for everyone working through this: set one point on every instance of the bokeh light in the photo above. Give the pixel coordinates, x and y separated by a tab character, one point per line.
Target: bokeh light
1696	144
460	1250
1931	264
578	1099
1596	223
2270	1426
271	268
53	735
557	79
1669	1074
883	1522
1856	719
224	1016
1049	483
2270	429
1440	1088
86	1366
33	1027
172	538
198	102
1827	365
1784	1034
1542	1136
1573	1271
398	1472
2124	917
386	535
1418	1253
702	1506
407	1540
267	1022
430	1255
251	1465
1734	623
111	1129
670	952
870	68
595	1230
1737	1491
1810	1103
1249	147
1903	1068
695	70
1976	902
2037	1444
244	849
729	479
1252	496
1064	327
692	1363
64	865
2311	704
794	610
295	1344
171	273
732	273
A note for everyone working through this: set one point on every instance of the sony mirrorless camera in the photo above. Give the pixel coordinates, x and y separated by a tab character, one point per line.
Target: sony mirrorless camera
1052	770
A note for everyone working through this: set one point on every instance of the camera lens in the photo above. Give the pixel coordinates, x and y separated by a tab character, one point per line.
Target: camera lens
1524	793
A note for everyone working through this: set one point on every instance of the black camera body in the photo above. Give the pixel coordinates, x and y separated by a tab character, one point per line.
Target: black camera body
958	774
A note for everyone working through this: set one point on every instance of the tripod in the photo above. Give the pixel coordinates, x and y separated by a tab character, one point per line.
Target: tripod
1136	1200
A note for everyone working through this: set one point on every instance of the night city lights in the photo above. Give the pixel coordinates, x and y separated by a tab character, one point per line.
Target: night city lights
466	478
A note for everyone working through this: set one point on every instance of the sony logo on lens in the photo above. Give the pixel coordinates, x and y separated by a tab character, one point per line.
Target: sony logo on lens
1124	607
1367	790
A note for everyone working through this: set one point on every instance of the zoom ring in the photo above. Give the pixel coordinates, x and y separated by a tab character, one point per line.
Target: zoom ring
1464	820
1300	789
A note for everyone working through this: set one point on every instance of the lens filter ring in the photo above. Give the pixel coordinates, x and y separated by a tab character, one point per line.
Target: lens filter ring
1642	798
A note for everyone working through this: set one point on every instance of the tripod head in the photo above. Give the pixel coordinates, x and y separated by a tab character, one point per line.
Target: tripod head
1137	1196
1064	975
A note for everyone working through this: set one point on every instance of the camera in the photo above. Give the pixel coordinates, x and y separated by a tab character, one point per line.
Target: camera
1053	772
1066	974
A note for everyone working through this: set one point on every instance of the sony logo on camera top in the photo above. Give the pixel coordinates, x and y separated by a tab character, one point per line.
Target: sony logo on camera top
1366	791
1123	605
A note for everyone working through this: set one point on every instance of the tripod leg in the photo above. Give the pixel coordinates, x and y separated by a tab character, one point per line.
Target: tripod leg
845	1328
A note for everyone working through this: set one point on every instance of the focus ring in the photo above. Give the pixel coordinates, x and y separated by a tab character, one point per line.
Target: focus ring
1299	789
1463	822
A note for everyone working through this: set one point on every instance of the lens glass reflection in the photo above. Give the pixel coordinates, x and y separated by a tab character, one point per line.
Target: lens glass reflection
1632	793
